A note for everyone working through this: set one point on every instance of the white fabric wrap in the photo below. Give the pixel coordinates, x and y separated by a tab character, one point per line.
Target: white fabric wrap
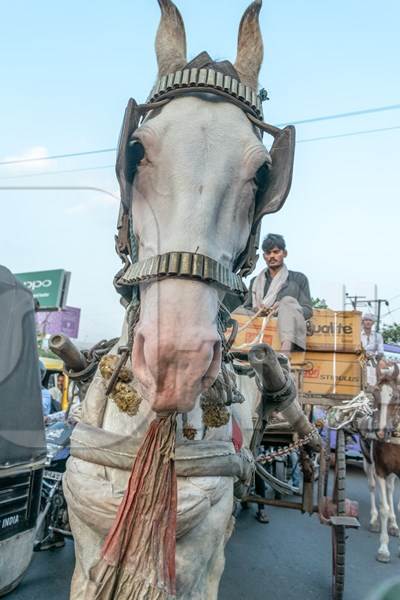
94	486
277	283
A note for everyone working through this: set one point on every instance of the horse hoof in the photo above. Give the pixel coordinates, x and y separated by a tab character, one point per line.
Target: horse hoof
382	557
393	531
375	527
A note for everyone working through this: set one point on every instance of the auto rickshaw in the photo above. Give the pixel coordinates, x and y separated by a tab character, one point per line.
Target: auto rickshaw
55	367
22	440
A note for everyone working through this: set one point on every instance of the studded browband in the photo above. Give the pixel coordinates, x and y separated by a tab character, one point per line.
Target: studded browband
207	78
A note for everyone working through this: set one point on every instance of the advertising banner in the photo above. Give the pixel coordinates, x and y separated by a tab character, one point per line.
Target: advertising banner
49	288
64	321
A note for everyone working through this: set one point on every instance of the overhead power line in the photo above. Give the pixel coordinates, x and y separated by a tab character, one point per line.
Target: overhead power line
349	134
317	139
355	113
39	158
58	172
301	122
58	188
390	312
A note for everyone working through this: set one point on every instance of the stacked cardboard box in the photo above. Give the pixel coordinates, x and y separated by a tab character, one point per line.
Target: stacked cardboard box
332	364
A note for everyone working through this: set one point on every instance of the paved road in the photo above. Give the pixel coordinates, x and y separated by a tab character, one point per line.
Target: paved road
289	559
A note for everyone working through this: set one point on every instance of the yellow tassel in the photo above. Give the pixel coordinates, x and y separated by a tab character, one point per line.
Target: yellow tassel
214	415
109	363
126	398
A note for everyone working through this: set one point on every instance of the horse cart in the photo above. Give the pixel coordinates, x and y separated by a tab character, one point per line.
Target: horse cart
327	376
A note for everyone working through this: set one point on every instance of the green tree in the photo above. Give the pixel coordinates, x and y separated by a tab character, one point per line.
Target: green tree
319	303
391	333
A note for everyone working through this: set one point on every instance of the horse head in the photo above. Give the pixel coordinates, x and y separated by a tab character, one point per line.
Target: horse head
387	399
195	180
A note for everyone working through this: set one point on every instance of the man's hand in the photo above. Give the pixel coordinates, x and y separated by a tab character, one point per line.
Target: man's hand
275	309
272	311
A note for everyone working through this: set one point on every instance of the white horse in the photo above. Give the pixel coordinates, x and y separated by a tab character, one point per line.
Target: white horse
194	191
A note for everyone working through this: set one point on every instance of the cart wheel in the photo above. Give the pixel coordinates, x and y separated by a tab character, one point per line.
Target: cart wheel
339	532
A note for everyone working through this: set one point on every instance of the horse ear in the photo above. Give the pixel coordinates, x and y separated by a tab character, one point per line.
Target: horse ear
250	46
170	39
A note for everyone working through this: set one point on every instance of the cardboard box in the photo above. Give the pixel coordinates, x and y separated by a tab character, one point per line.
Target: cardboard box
335	331
330	373
332	331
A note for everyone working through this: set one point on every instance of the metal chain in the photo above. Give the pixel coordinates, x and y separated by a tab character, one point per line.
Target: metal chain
96	353
92	357
270	456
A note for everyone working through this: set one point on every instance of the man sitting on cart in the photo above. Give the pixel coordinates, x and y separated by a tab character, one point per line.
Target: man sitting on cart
285	293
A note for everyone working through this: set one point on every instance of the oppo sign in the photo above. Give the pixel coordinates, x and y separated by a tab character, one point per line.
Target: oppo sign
36	285
50	288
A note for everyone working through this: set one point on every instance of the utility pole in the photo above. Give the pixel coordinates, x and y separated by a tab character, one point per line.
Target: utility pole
356	300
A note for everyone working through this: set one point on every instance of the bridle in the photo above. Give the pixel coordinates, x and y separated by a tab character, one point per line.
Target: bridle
388	376
192	80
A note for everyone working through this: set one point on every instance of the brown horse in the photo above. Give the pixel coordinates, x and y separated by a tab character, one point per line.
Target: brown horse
381	450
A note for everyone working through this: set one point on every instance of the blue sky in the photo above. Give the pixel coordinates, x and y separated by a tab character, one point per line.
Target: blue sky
68	69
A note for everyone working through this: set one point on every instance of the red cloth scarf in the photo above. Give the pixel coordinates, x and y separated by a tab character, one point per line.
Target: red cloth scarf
138	556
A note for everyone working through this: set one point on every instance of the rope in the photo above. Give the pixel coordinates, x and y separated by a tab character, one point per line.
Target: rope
344	414
263	327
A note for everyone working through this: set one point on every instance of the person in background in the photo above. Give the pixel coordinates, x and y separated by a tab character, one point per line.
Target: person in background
57	391
286	293
46	397
372	341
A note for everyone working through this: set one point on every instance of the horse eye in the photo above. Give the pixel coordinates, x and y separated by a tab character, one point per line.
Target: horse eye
134	154
262	177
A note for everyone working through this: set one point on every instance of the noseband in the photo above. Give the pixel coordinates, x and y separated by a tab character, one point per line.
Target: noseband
187	265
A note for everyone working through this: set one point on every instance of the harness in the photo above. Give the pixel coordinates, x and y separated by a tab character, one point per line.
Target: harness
200	76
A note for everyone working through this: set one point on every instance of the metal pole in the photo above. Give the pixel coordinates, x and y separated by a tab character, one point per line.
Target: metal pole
378	319
344	295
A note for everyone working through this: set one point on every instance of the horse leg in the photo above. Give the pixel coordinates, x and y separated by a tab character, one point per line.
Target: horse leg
384	509
374	524
393	528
